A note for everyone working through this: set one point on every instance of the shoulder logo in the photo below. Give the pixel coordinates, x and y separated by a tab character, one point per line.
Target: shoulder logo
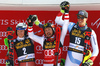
75	26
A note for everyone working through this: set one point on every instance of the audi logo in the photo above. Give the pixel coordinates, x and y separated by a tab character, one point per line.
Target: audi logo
50	52
3	47
39	48
3	34
64	48
2	61
16	61
39	61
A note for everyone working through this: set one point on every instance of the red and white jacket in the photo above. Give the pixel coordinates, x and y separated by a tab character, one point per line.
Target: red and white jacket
49	53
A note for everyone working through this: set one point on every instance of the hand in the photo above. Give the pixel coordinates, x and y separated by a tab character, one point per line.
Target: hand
37	22
6	42
31	19
62	62
65	7
88	63
7	62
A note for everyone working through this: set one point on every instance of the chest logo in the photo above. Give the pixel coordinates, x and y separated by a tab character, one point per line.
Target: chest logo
78	33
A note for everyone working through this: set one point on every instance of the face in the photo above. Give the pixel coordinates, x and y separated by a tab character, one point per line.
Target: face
48	31
20	33
81	20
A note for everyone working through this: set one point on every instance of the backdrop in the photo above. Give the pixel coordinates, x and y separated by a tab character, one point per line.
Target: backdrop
12	18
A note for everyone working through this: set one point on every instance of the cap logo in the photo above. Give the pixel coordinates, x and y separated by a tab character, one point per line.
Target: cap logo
52	26
81	13
45	25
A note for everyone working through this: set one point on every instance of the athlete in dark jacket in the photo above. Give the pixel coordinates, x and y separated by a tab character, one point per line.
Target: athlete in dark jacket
24	46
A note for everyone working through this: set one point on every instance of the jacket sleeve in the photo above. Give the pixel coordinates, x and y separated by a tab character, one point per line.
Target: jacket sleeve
64	23
94	46
59	20
36	38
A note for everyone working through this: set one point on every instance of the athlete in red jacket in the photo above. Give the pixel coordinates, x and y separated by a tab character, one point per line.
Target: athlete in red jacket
48	41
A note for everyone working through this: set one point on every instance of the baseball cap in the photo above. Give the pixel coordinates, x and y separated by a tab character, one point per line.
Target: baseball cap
83	13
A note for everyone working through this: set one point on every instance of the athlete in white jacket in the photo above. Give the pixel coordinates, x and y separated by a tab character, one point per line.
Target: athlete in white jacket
80	38
48	41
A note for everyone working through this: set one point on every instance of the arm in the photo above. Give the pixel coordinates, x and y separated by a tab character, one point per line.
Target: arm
6	43
64	27
65	6
58	19
30	20
35	37
94	46
95	50
64	23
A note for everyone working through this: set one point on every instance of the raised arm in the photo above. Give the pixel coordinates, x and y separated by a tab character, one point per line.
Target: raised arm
30	20
64	23
64	11
58	19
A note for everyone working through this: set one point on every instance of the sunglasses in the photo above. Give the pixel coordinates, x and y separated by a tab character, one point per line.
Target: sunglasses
78	17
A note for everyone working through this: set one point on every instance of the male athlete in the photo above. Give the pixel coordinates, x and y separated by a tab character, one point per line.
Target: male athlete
80	38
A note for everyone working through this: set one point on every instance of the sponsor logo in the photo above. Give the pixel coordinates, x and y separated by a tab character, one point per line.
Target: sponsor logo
82	13
48	21
49	45
76	46
64	48
97	23
39	48
3	34
4	21
2	61
16	61
26	56
50	52
3	47
12	21
75	26
78	33
21	44
39	61
16	21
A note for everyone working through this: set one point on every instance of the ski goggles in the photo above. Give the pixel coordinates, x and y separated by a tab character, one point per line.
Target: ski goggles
78	17
20	28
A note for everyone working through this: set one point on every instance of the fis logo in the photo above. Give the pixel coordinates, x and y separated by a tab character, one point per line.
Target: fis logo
76	46
26	56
